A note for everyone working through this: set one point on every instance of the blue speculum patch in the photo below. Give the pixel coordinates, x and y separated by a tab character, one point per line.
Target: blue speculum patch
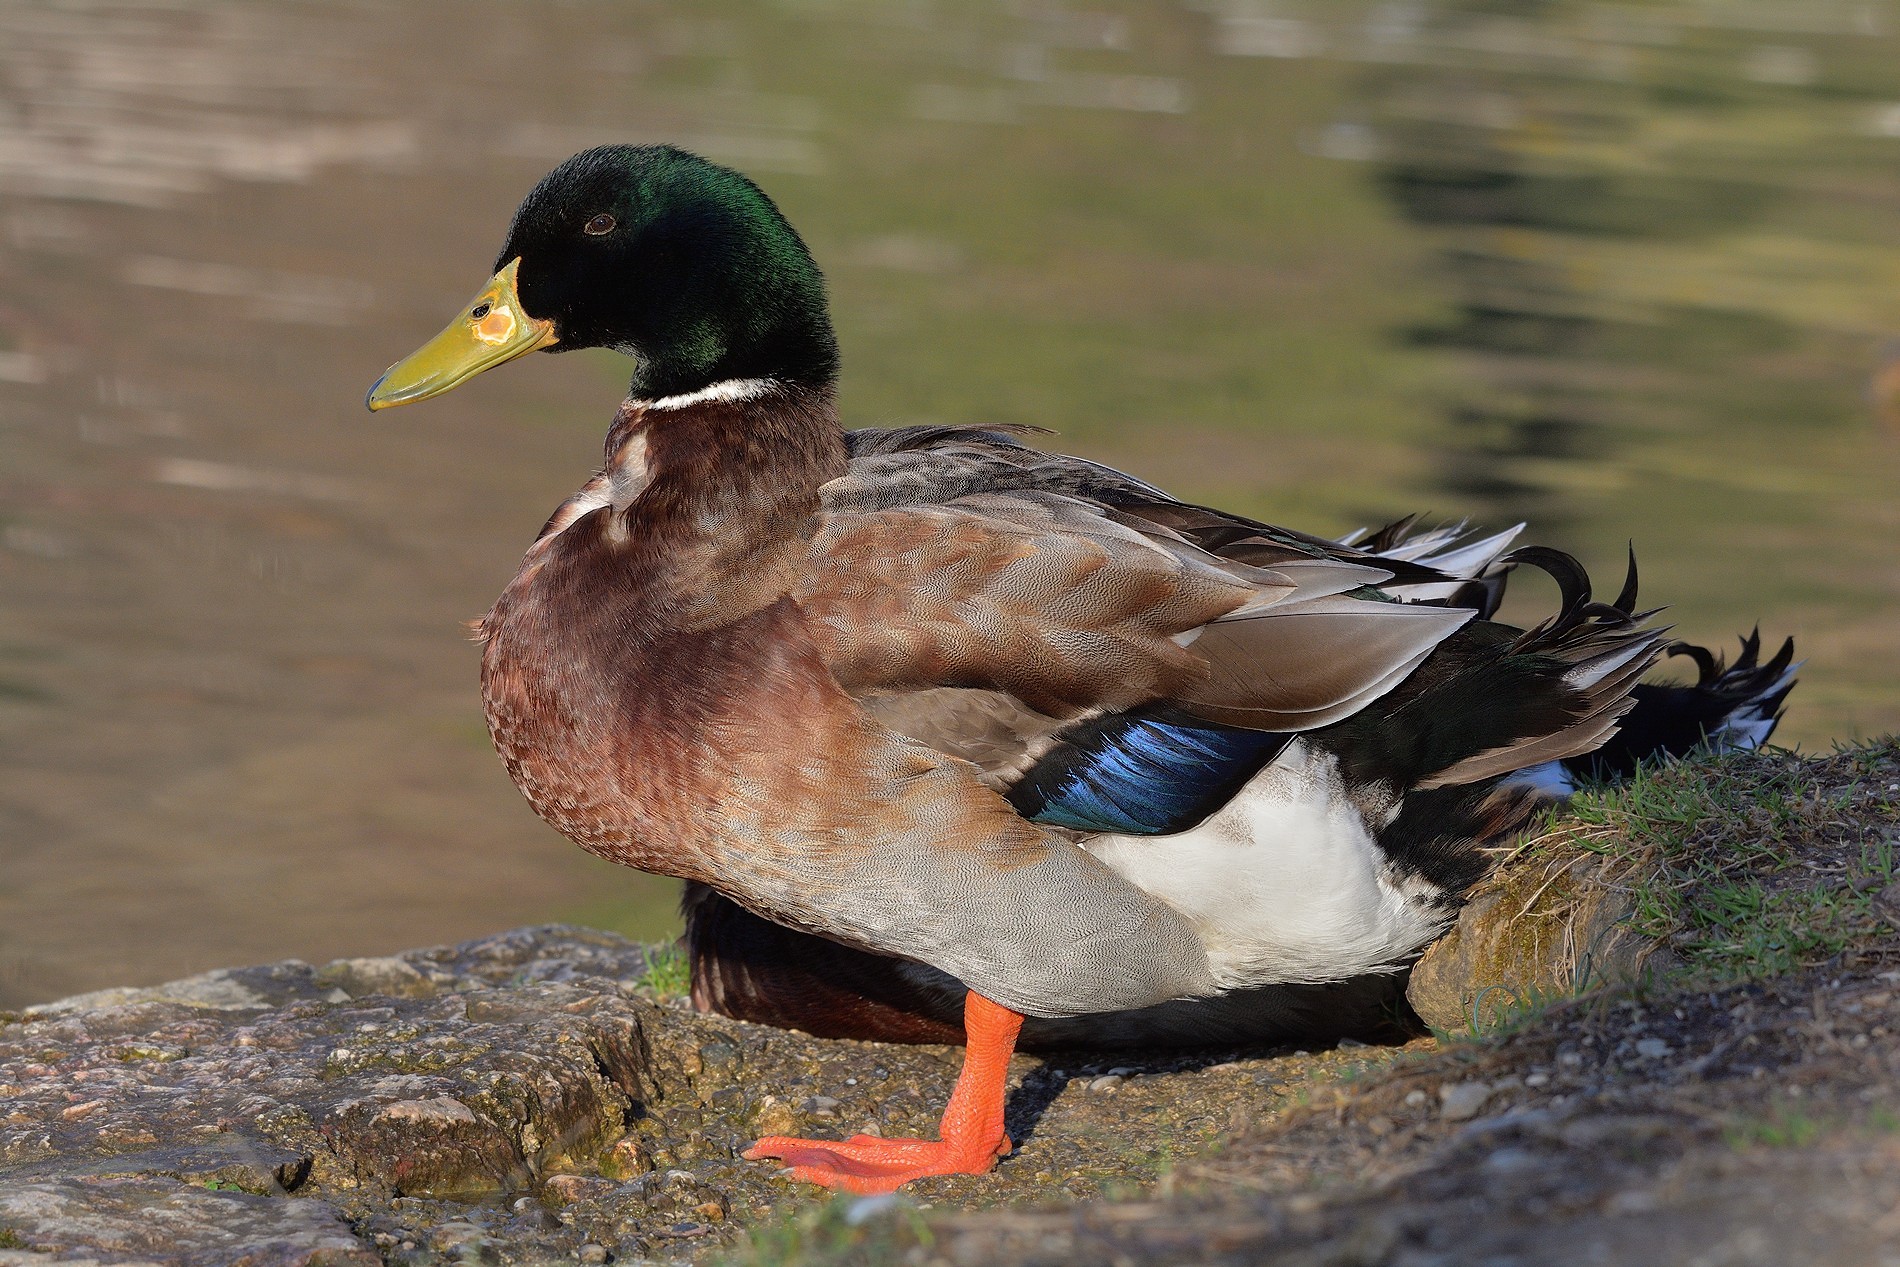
1141	775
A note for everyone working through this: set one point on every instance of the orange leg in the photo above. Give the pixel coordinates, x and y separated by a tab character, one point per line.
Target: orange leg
970	1137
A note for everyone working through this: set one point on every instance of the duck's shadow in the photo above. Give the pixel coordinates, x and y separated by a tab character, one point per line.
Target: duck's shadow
1287	1020
1043	1086
1258	1024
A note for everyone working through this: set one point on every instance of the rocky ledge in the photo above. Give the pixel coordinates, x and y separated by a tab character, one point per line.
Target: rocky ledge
1670	1025
522	1098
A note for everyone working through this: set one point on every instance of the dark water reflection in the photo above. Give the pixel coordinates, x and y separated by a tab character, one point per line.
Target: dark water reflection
1622	270
1670	235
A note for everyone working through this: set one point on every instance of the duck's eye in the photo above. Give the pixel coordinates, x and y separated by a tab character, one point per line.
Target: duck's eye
478	312
602	223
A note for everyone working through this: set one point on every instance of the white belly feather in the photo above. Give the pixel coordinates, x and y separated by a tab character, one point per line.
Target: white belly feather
1285	882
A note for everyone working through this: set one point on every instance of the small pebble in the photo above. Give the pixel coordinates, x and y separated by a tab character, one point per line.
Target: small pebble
1415	1099
821	1106
1107	1082
458	1234
530	1213
1459	1101
1536	1079
1651	1048
864	1209
567	1189
1510	1161
592	1253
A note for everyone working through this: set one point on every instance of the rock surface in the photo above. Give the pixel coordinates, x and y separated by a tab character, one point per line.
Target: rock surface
1530	933
514	1099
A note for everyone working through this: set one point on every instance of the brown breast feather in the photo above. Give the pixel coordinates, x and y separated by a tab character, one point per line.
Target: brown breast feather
731	756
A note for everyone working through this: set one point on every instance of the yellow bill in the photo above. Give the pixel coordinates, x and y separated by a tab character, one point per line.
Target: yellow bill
492	329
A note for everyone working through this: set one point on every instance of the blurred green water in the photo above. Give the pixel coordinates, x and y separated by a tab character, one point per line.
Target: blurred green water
1625	271
1673	235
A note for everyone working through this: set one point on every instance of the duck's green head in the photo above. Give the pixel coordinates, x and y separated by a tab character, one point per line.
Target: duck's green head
683	265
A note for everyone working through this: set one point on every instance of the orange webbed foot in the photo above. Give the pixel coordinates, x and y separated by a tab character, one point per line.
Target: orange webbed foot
972	1127
867	1164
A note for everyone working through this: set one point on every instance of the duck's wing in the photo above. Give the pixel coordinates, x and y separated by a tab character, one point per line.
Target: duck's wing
1180	605
1444	563
1038	615
1070	608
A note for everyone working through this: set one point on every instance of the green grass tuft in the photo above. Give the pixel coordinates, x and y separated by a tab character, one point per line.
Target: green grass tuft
1783	1126
669	973
1751	864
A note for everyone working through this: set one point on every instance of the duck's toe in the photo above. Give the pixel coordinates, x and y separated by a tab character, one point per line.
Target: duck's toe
868	1164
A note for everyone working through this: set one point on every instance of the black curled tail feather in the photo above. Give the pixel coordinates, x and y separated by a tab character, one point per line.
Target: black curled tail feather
1609	645
1578	609
1727	708
1492	700
1579	671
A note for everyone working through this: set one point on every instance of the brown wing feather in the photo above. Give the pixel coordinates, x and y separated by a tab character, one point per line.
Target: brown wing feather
1299	666
995	732
975	594
1036	595
934	464
1062	606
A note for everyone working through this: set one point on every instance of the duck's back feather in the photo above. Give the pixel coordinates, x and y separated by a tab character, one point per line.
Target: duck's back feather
931	465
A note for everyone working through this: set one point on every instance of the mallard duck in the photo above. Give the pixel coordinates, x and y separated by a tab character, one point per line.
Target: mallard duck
1063	744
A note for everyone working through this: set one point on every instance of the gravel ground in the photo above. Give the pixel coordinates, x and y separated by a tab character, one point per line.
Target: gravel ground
1758	1124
